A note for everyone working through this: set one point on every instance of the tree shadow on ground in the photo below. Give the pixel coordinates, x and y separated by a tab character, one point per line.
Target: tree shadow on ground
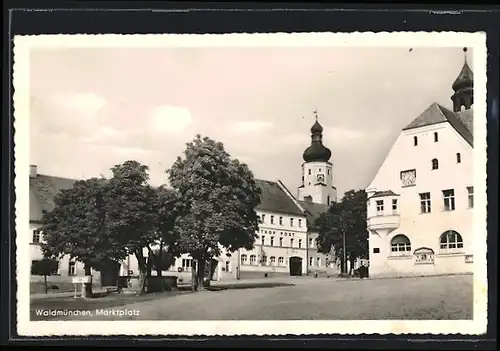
246	286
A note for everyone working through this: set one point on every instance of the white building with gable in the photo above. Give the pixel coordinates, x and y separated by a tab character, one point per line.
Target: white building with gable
420	202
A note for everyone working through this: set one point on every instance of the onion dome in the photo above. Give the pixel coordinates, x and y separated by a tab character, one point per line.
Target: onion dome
317	152
465	78
316	128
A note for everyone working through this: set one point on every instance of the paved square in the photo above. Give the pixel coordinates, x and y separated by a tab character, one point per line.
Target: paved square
446	297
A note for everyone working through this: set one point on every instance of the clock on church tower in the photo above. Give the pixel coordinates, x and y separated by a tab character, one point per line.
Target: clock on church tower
321	178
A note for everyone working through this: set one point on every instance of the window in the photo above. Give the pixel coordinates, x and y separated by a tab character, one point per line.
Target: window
309	171
311	244
291	222
253	259
425	202
281	220
281	261
264	260
311	261
187	263
451	240
291	242
435	164
263	218
394	205
300	222
302	179
228	266
328	200
400	245
459	157
272	241
328	171
244	259
436	138
470	196
300	243
36	236
415	141
273	260
424	256
449	200
262	240
72	268
318	261
376	250
272	219
380	207
281	242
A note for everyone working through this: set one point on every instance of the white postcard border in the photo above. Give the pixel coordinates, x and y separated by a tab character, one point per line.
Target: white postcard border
22	47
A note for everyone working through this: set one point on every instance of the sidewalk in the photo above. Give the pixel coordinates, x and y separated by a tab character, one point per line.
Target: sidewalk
40	296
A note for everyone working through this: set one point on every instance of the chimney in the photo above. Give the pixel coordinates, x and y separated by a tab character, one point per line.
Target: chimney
33	171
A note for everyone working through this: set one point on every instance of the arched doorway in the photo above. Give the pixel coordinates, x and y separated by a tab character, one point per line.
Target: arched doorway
295	265
213	269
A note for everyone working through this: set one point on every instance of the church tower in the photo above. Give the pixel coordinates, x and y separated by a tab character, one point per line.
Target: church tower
317	174
463	87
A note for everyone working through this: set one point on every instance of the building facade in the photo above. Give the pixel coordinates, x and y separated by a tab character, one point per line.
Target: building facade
286	238
420	202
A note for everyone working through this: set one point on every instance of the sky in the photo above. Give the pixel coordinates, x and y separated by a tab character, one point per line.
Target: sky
93	108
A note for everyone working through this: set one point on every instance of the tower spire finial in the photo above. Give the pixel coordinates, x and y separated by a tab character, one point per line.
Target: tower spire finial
315	112
465	54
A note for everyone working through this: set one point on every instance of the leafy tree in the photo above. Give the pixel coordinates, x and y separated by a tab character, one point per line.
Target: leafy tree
346	218
77	227
216	200
162	260
164	225
130	206
44	267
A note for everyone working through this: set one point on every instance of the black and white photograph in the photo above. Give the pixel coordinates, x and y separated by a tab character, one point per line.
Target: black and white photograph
251	183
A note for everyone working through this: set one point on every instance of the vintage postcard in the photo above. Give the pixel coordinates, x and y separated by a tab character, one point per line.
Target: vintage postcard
251	184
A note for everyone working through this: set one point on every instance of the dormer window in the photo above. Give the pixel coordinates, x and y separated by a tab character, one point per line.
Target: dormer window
415	141
436	138
435	164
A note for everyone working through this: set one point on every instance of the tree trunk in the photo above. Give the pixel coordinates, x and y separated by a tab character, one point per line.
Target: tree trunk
45	282
141	262
201	274
88	286
194	281
343	266
159	260
351	269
